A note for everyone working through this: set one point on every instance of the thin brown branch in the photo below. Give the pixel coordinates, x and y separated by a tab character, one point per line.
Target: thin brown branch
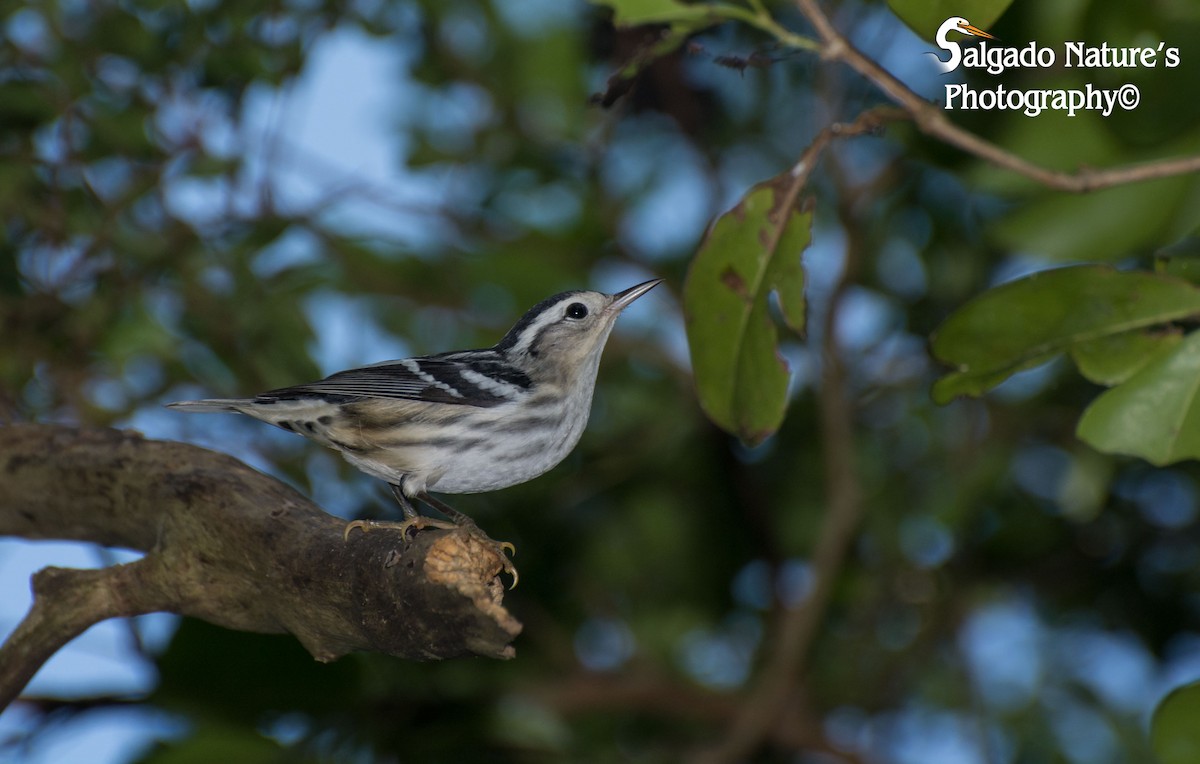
659	696
781	674
933	121
234	547
867	122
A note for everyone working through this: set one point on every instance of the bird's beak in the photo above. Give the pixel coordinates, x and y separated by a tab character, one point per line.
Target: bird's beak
972	29
621	300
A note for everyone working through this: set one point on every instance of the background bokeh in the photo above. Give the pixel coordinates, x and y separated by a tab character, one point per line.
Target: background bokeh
214	198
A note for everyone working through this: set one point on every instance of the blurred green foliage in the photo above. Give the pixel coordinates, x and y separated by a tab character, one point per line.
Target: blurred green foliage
1176	740
926	17
1010	590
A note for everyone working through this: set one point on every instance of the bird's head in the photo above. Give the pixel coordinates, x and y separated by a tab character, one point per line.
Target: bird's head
565	334
959	24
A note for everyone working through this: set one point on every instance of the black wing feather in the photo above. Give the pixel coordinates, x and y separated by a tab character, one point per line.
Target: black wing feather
436	379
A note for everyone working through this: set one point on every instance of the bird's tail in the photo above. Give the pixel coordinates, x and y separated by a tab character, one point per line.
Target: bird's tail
211	404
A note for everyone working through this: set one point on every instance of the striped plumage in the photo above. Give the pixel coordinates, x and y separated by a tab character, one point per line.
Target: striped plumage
459	422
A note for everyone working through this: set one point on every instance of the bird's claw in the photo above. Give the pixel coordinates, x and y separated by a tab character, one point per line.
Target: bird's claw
364	524
500	547
506	563
509	568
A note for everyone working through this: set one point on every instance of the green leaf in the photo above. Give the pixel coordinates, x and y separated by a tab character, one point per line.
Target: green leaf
632	13
1155	414
750	253
1181	259
1049	226
1113	359
1026	322
1174	731
925	16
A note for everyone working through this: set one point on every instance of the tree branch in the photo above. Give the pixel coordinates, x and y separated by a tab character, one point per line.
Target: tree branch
782	672
234	547
933	121
652	694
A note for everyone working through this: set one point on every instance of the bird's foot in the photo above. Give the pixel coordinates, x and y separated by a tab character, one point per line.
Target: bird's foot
416	524
420	523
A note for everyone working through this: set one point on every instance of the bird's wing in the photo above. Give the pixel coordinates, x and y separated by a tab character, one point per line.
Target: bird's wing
471	378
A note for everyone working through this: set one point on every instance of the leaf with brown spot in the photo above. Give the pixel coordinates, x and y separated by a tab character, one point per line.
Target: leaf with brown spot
751	252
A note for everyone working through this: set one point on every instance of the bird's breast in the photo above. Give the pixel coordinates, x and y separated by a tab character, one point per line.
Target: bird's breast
510	449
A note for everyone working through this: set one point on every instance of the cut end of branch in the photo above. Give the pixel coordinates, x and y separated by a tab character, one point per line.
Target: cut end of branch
434	596
470	566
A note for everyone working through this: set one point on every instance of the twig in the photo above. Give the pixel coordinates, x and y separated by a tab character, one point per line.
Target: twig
932	120
650	693
760	713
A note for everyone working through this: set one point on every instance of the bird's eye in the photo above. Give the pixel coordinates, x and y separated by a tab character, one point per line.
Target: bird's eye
577	310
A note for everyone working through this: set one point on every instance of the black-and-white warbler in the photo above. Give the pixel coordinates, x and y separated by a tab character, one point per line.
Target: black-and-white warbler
461	422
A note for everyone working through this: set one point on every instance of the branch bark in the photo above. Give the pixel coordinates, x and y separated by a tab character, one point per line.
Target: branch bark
234	547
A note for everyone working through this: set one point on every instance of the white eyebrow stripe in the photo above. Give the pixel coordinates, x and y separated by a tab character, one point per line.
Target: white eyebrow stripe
549	316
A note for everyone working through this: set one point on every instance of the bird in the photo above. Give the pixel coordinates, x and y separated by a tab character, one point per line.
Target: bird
954	24
465	421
